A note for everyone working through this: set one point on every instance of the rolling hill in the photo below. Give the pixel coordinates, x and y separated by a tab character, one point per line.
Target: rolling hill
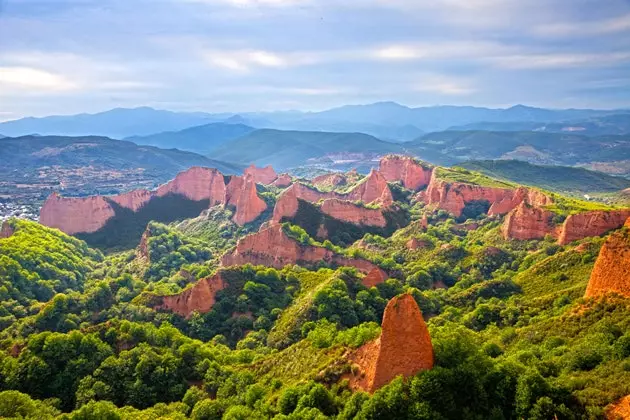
200	139
562	179
287	149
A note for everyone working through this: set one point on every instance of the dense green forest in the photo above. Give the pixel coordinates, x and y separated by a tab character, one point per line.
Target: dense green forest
513	336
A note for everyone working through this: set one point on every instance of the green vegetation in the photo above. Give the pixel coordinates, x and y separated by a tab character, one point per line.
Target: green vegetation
465	176
560	179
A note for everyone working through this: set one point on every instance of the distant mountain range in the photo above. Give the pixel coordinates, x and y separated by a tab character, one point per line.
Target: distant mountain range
385	120
200	139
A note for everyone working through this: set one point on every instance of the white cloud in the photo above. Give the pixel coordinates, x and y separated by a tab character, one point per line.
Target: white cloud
443	85
243	61
584	29
29	78
551	61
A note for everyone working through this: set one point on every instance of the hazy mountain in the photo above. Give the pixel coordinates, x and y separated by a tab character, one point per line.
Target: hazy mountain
285	149
116	123
200	139
594	126
562	179
532	146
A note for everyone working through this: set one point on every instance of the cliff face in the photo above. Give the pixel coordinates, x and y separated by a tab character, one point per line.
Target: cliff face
350	212
404	347
200	297
283	180
75	215
453	196
265	175
592	223
330	180
405	169
373	188
619	410
133	200
6	231
611	272
197	184
527	222
272	247
241	193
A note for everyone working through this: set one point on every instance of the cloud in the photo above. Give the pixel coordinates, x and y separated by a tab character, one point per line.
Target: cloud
443	85
585	29
560	61
33	79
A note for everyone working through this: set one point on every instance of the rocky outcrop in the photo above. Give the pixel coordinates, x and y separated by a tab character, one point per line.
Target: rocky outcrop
133	200
198	298
404	347
352	213
335	179
143	248
287	203
374	278
283	180
371	189
75	215
6	231
197	184
265	175
611	273
592	223
453	196
272	247
411	173
528	222
242	194
620	410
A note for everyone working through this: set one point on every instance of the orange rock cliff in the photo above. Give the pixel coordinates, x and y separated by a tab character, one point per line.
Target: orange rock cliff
404	347
611	273
200	297
89	214
272	247
406	169
6	231
266	175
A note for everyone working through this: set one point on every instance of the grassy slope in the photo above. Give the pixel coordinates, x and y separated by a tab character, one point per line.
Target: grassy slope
561	179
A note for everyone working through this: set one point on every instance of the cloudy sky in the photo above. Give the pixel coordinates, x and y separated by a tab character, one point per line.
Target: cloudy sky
70	56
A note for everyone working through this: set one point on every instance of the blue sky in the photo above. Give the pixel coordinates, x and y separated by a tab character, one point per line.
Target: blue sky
63	57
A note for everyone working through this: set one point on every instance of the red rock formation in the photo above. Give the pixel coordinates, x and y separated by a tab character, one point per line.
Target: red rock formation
406	169
404	347
592	223
133	200
75	215
611	273
200	297
264	175
6	231
374	277
241	193
528	222
414	243
352	213
334	179
283	180
374	187
143	247
620	410
197	184
453	196
287	203
273	248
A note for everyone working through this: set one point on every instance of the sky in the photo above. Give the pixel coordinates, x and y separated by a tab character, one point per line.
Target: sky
73	56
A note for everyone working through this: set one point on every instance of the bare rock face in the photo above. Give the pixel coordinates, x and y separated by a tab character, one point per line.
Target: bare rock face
528	222
273	248
283	180
75	215
351	213
200	297
335	179
453	196
242	194
197	184
143	247
404	347
375	277
133	200
6	231
592	223
374	187
406	169
620	410
611	273
287	203
265	175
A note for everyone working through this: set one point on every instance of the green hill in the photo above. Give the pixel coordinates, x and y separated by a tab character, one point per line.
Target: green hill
561	179
286	149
